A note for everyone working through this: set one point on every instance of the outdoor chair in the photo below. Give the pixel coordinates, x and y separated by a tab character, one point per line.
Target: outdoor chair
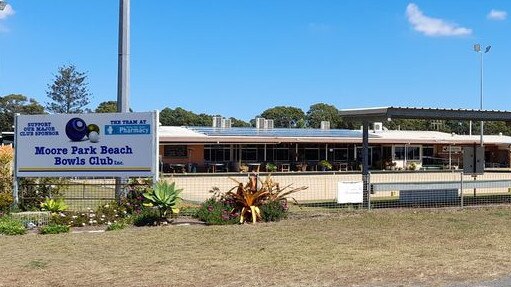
284	167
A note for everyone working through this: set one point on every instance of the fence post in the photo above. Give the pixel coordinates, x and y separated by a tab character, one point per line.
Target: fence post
461	189
369	190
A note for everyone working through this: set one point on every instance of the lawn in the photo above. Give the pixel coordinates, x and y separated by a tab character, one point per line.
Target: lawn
345	248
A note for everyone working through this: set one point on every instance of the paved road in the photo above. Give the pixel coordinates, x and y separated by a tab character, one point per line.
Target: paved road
502	282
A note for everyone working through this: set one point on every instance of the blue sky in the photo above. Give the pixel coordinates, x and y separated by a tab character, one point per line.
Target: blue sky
239	57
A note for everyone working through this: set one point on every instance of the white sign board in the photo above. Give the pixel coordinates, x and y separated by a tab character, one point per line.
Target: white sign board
350	192
69	145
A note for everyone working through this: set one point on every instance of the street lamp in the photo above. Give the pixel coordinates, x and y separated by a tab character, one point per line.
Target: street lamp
123	71
477	49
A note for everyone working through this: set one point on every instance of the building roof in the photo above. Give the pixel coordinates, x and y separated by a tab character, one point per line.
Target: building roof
389	113
260	136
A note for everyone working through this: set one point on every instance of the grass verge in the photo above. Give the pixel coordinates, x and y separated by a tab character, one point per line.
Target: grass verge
377	248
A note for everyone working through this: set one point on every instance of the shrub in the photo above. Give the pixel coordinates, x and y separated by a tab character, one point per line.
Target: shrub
53	205
147	217
9	226
54	229
33	191
104	214
69	218
6	201
6	157
271	167
217	212
326	165
116	225
247	200
274	210
110	212
133	202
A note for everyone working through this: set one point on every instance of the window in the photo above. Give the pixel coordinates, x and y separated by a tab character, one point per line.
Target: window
407	152
311	153
399	152
278	152
218	153
413	153
370	155
340	154
249	153
281	154
175	151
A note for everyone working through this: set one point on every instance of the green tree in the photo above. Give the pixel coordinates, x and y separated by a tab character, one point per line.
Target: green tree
203	120
408	124
107	107
494	128
13	104
69	92
323	112
182	117
178	117
239	123
284	117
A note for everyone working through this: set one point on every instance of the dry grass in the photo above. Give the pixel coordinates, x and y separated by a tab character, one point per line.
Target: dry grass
378	248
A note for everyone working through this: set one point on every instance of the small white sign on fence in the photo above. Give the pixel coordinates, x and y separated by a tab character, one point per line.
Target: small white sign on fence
350	192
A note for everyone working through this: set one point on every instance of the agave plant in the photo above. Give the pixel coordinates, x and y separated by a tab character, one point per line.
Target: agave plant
165	196
54	205
250	197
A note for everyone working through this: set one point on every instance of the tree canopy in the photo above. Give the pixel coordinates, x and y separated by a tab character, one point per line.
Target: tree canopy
285	117
239	123
16	103
69	92
323	112
107	107
182	117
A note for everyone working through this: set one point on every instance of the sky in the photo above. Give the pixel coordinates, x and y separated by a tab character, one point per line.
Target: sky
236	58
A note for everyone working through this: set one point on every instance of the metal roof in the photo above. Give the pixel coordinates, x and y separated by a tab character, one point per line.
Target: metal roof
389	113
252	135
276	132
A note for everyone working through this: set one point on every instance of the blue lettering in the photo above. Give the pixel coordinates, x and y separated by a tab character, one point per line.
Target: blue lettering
44	150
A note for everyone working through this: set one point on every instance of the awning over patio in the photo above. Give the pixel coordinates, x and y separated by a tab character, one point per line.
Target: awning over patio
389	113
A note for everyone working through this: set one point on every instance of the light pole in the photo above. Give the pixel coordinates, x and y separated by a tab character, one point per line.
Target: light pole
123	73
477	49
123	78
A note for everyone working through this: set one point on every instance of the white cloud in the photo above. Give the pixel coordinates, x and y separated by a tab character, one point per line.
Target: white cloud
497	15
8	11
433	26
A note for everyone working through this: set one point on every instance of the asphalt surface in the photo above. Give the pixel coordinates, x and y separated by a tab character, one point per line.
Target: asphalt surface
501	282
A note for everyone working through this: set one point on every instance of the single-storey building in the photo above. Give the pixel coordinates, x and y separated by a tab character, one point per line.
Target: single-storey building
214	149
